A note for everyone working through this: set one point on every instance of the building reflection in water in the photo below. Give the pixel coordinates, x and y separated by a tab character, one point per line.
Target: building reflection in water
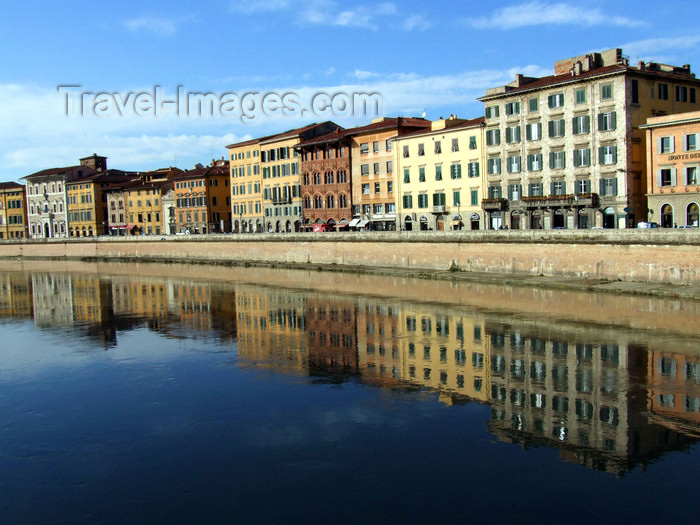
604	398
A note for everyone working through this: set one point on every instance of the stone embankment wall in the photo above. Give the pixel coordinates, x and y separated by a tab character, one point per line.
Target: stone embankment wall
654	256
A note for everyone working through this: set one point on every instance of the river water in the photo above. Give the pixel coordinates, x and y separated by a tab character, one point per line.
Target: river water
185	394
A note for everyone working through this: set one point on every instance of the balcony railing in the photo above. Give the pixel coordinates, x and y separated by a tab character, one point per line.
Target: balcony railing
549	200
438	208
494	204
277	200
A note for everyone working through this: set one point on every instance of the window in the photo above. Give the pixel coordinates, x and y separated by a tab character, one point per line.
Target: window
423	200
421	174
534	162
513	108
421	150
681	94
534	189
472	142
608	187
515	192
365	189
557	160
558	188
438	172
582	157
375	146
376	168
494	192
690	142
456	171
607	121
533	105
474	195
582	186
581	124
512	134
406	175
663	91
493	137
456	200
378	209
665	145
607	154
581	96
389	144
438	147
491	111
556	128
635	91
691	176
473	169
376	187
555	101
390	186
666	177
389	166
533	131
364	148
606	92
493	166
408	201
513	164
438	199
405	152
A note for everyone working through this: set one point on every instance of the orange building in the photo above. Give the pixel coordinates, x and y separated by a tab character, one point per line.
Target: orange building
13	211
203	199
673	169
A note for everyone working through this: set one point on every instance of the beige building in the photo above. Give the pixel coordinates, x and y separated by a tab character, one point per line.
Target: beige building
673	169
566	150
13	211
440	179
372	170
246	186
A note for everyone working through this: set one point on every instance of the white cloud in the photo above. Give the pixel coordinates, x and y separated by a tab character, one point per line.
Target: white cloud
651	48
537	13
416	22
158	25
259	6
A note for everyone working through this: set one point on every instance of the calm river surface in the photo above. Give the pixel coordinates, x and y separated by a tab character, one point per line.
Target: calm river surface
147	394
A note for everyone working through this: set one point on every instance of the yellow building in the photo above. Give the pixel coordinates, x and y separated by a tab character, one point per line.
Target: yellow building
13	211
440	180
145	207
246	184
373	180
87	202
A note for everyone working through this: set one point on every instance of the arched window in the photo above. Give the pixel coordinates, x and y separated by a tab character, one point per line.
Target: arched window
307	202
317	178
667	216
343	201
692	215
318	202
330	202
306	179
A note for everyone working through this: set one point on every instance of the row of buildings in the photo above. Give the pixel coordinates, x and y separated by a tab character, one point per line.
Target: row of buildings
598	144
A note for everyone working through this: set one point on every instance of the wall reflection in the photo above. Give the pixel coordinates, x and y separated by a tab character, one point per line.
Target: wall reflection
606	398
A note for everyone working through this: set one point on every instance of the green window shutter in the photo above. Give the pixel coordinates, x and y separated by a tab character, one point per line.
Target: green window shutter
528	132
601	122
509	135
551	128
551	188
563	188
614	186
613	120
601	154
510	192
614	154
575	126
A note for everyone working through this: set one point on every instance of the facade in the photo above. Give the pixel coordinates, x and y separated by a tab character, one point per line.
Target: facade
246	186
325	180
673	169
203	199
281	176
47	206
144	206
86	201
440	179
372	173
169	215
13	212
566	151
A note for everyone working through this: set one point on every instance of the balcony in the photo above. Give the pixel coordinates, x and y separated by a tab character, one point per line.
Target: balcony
550	200
279	200
590	200
494	204
439	208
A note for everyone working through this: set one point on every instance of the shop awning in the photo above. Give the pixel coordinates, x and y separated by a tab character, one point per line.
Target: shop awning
362	224
130	226
354	222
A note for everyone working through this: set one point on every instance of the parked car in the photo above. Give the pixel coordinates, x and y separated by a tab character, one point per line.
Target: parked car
647	225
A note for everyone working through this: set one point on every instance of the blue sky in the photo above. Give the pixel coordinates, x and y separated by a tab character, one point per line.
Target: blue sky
433	57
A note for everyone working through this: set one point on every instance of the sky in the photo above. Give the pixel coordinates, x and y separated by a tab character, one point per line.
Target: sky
112	78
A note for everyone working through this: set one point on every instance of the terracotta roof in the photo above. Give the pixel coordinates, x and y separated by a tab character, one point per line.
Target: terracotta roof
333	136
567	78
106	176
10	186
469	123
392	122
205	171
294	132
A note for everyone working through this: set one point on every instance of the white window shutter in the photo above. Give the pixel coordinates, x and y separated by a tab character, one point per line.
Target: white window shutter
659	146
673	140
658	178
685	176
674	178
